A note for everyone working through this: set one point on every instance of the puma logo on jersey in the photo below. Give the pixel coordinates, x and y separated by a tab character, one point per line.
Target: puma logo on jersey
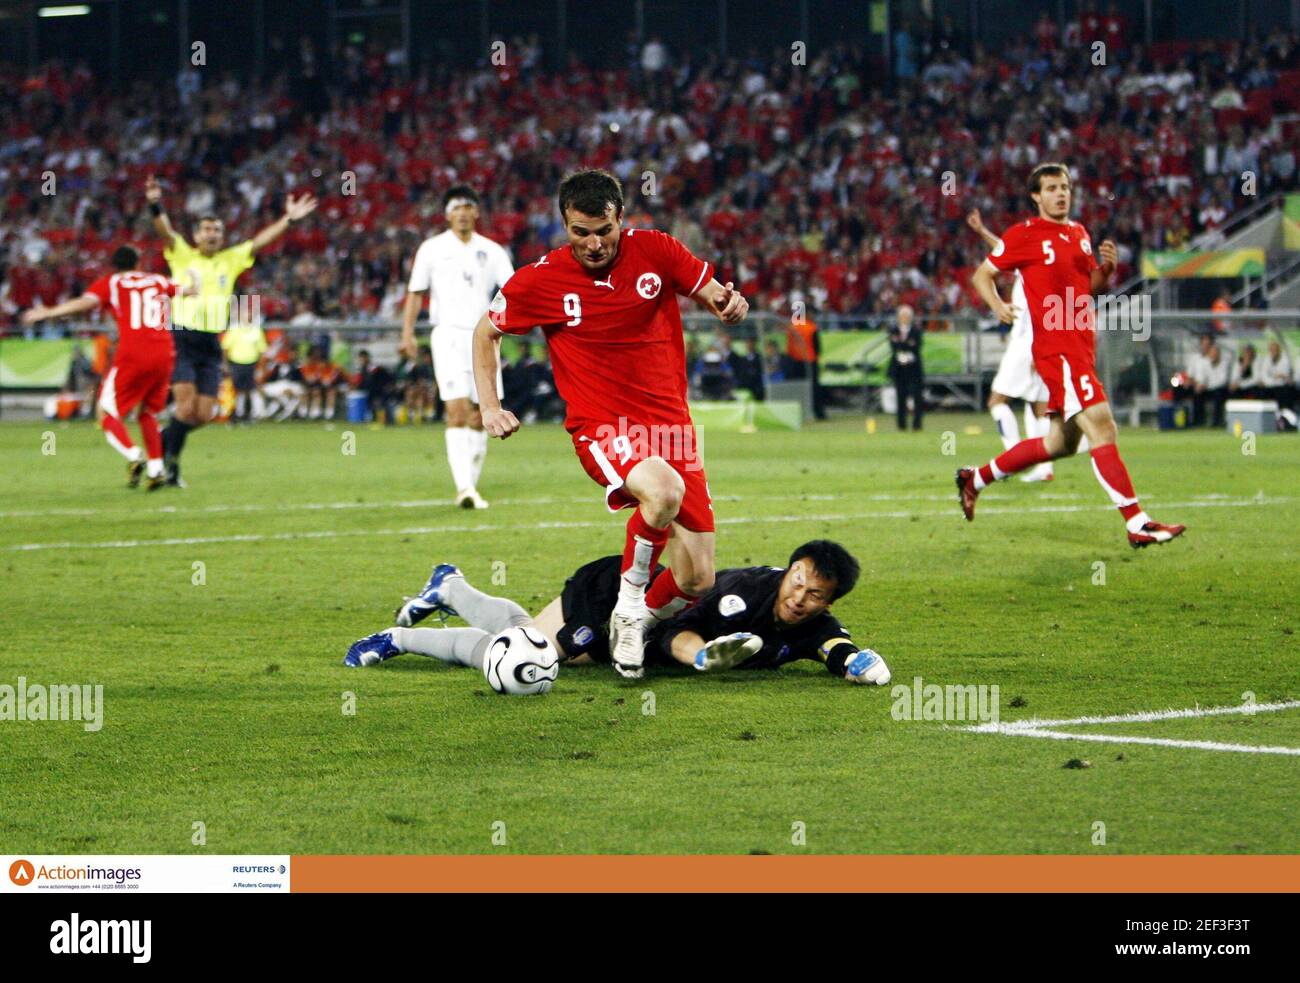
542	262
607	282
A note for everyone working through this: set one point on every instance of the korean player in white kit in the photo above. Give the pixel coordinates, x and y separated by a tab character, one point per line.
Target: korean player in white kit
460	271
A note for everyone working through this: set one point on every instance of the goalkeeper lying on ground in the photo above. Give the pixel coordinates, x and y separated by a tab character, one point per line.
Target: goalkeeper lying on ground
753	618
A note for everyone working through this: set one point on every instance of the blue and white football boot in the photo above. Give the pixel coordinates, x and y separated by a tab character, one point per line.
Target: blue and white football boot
371	650
428	601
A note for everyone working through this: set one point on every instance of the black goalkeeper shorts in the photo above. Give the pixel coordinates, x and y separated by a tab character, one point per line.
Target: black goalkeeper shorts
586	604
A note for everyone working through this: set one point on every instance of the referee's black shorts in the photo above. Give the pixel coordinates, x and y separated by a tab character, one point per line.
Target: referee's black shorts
198	359
244	377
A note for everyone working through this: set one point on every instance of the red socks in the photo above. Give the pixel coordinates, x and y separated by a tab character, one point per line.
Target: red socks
117	436
641	550
1024	455
1109	468
665	598
152	436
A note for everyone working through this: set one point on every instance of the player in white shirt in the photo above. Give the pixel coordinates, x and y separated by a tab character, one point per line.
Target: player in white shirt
460	271
1016	376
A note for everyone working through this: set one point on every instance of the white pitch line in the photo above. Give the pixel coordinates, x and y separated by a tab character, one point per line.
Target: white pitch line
1057	735
420	503
1144	717
1039	728
603	523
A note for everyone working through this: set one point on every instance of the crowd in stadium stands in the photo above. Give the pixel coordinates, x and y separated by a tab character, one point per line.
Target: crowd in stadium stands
809	184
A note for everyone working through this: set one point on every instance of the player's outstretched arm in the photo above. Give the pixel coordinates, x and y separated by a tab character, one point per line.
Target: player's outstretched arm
497	421
295	209
843	658
976	222
987	288
690	649
1109	254
724	303
161	223
78	305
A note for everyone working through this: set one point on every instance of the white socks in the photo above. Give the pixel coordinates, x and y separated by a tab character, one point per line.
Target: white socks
632	585
466	449
479	445
460	457
459	646
1032	428
154	467
1038	426
492	614
1006	423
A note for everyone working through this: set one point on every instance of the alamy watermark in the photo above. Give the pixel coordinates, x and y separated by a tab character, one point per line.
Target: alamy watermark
54	702
951	703
1109	312
678	442
216	311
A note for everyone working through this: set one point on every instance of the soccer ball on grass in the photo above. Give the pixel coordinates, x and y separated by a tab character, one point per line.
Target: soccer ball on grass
521	662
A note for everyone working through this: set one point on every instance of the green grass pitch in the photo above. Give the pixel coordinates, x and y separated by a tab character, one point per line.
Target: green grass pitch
224	700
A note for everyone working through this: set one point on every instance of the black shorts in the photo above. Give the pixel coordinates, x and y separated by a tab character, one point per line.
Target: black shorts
198	359
586	604
243	376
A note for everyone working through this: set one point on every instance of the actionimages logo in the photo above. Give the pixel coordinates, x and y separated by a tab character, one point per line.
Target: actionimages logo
22	873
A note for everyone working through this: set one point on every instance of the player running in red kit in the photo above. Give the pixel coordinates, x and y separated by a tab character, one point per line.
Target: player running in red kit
142	363
608	306
1060	275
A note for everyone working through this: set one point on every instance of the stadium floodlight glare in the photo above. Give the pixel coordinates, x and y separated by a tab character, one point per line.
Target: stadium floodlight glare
69	10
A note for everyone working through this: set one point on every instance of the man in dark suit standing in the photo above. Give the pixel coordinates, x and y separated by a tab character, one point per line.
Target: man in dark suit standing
747	367
905	367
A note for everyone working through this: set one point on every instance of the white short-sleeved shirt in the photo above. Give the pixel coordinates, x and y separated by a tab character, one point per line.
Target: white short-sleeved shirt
461	277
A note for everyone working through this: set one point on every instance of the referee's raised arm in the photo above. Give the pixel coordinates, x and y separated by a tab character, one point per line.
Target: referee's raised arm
161	223
294	209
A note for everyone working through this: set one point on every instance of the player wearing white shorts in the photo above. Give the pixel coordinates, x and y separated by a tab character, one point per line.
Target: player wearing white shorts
1016	376
460	271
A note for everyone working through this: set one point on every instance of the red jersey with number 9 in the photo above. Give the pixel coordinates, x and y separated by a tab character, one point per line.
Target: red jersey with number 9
141	303
1055	262
615	338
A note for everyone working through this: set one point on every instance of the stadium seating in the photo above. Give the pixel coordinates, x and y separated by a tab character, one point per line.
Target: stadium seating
804	185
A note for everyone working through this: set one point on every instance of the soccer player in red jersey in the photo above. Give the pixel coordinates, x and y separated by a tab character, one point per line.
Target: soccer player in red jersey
142	364
607	304
1060	274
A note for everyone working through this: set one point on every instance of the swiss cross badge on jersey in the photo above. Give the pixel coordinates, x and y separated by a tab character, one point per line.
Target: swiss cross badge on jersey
648	285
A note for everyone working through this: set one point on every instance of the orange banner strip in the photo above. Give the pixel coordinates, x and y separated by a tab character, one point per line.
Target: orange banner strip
982	874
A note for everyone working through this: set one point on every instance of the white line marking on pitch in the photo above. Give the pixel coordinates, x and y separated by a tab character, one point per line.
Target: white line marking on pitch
1040	728
578	524
421	503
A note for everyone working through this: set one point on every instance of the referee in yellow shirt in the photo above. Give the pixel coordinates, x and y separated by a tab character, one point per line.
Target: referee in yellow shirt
209	272
244	345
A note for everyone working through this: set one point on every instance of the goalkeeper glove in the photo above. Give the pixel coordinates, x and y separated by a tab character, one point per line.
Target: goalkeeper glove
727	651
867	667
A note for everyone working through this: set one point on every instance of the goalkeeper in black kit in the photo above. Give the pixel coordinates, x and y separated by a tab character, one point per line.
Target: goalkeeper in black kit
753	618
765	617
